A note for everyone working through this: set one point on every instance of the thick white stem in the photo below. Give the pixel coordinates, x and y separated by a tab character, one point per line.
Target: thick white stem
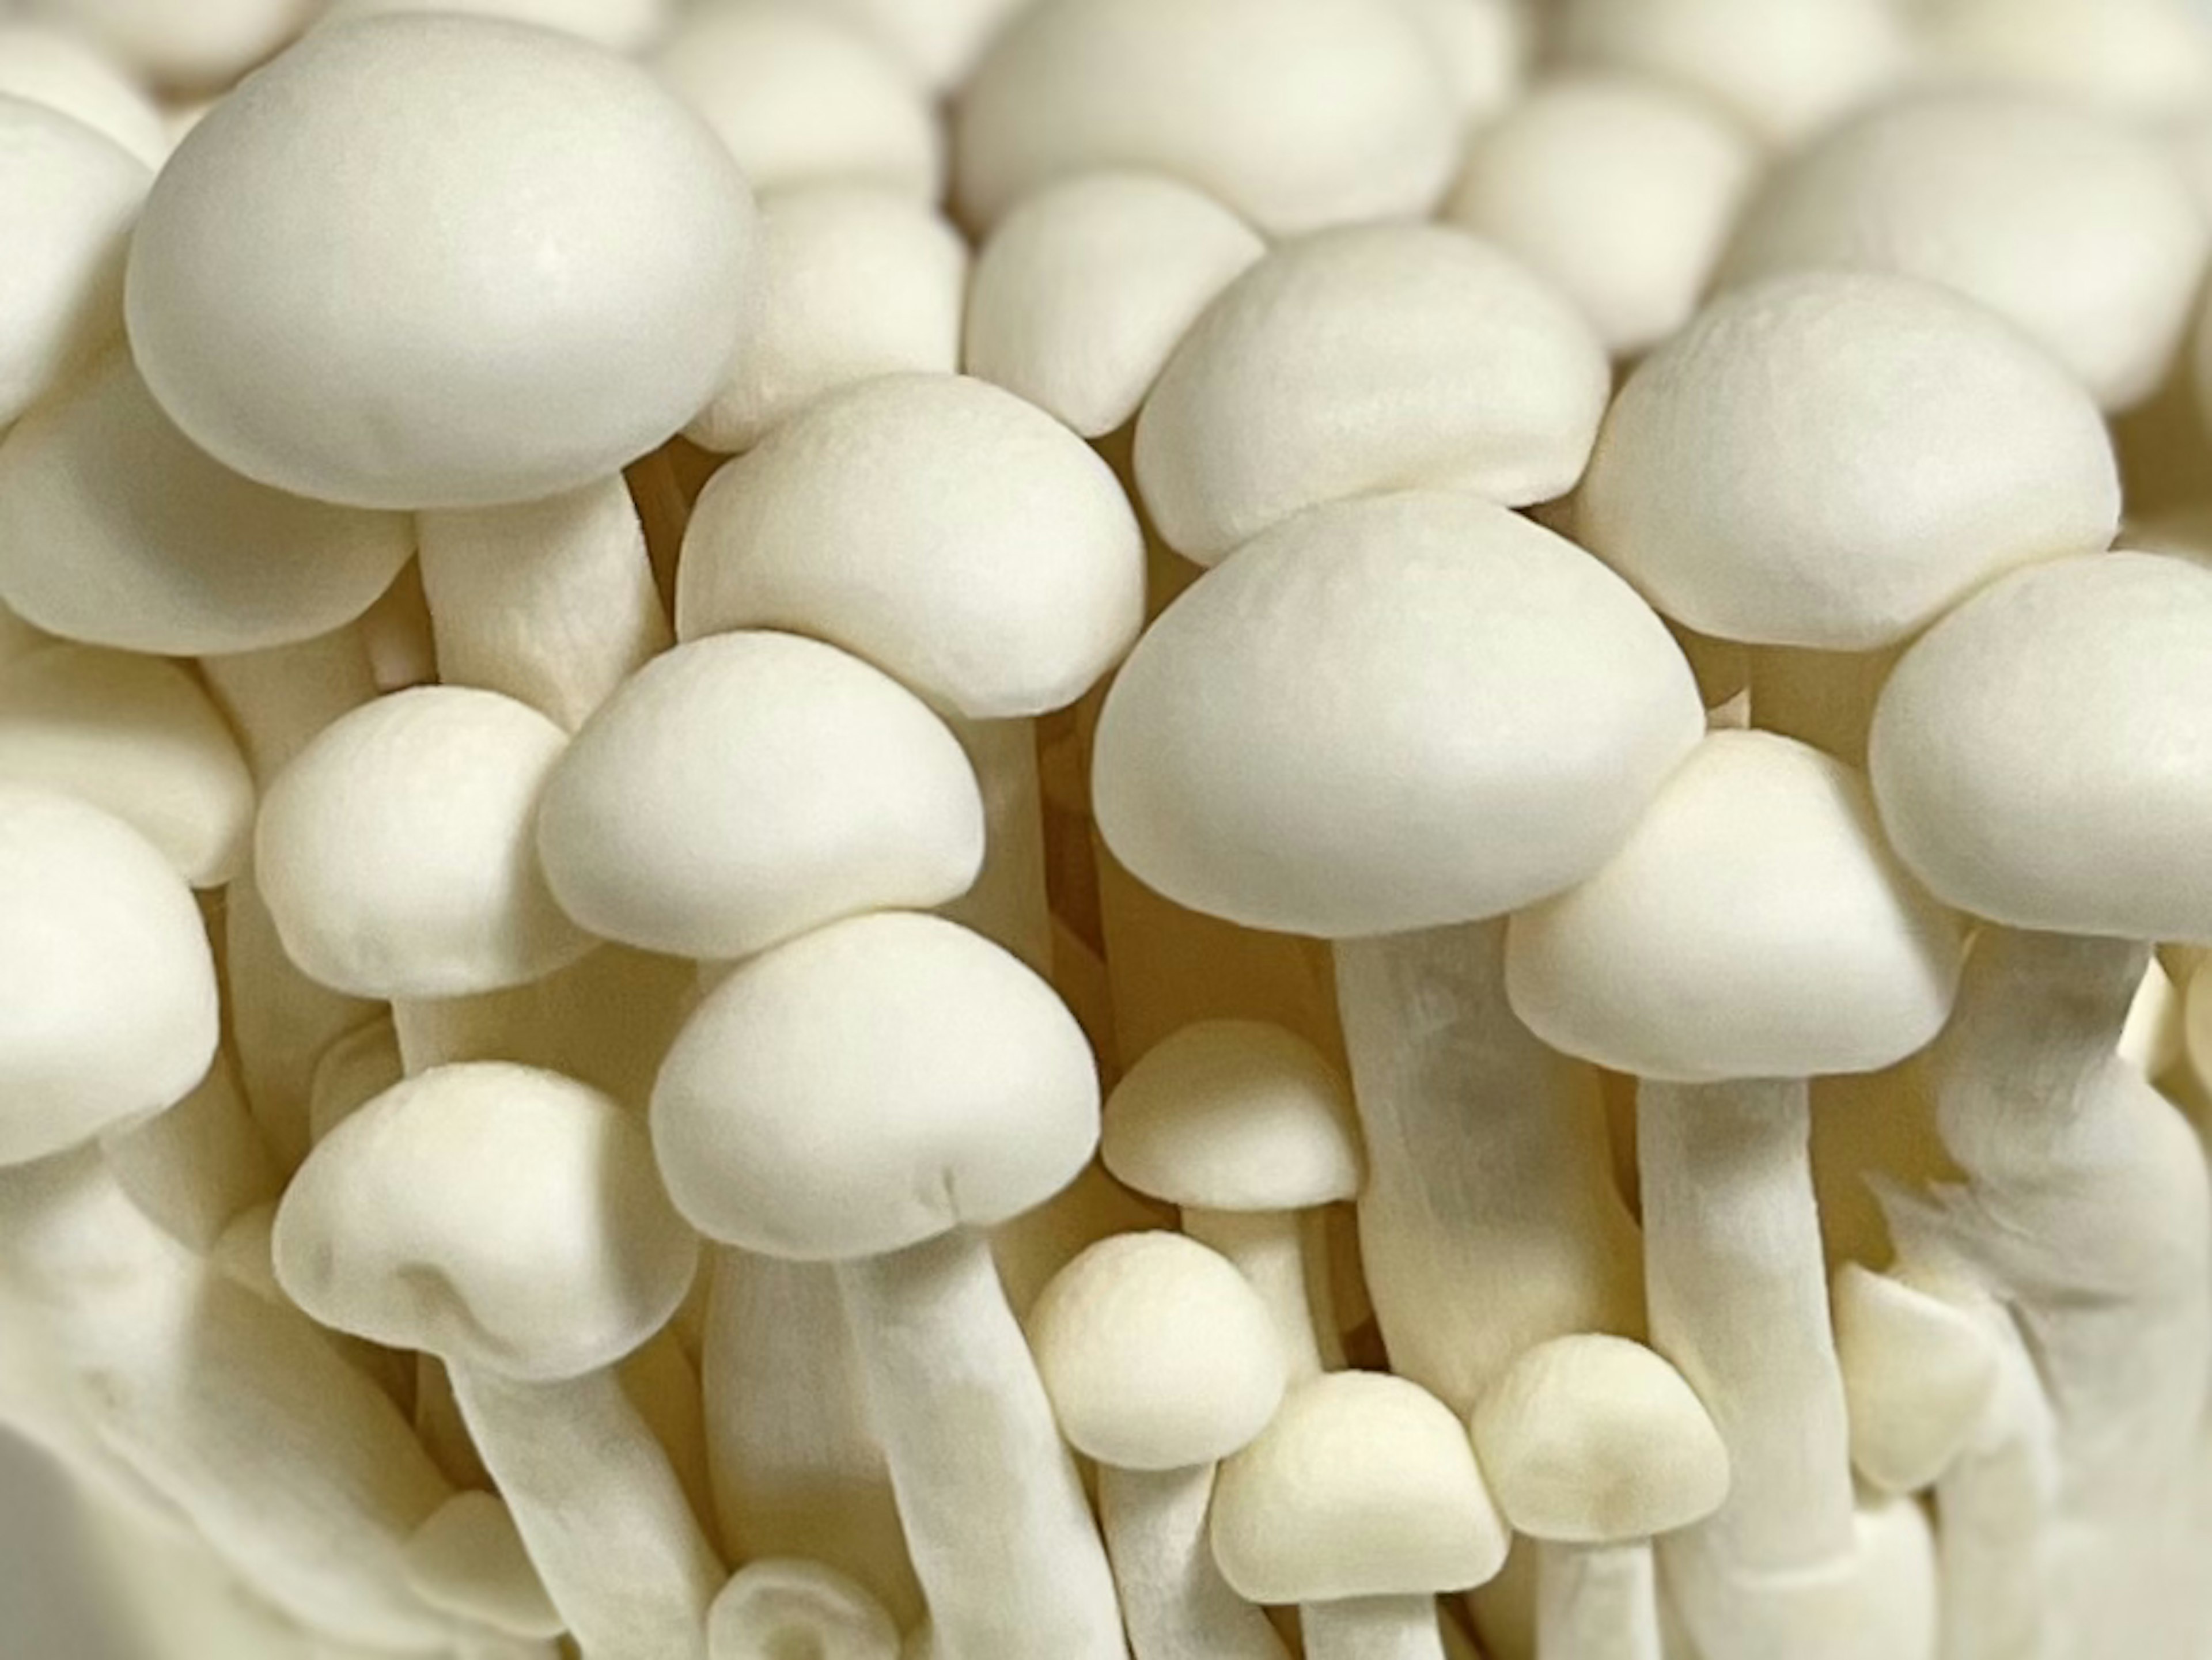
1489	1221
1268	1247
1003	1541
1596	1602
279	699
1175	1600
1372	1628
198	1167
1008	903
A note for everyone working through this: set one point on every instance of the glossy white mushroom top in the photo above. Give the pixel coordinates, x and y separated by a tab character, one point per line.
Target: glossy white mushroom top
779	1607
436	261
500	1216
1835	458
1389	714
2043	757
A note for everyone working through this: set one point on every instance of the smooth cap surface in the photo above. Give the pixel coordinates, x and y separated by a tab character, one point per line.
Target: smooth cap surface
58	68
1919	1377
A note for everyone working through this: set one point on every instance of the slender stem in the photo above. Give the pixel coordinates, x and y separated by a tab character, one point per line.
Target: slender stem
1268	1247
278	700
1372	1628
1008	903
1177	1605
1596	1602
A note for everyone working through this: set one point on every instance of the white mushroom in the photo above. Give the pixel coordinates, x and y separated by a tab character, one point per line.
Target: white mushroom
775	1609
936	41
619	25
1920	1377
44	65
192	43
1484	48
468	1559
2146	58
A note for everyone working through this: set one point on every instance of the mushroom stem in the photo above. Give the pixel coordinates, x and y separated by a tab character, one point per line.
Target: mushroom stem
1596	1602
1177	1605
278	699
1008	902
623	1556
1489	1221
1372	1628
1268	1247
1002	1540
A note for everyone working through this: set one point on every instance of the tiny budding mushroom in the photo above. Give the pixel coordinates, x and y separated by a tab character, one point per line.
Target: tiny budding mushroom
1920	1377
510	1222
1593	1444
43	64
1360	1502
1160	1360
779	1607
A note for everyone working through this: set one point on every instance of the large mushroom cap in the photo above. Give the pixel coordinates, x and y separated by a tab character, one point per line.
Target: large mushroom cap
1755	925
437	261
1835	458
1389	714
108	987
2043	757
497	1215
870	1086
1157	1353
1364	1485
740	790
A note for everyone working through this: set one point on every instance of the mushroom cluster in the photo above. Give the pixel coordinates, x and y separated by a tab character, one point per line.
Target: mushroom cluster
1112	829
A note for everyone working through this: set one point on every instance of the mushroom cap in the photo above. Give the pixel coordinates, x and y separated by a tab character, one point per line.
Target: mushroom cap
1157	1353
58	68
778	1607
745	789
1364	1485
1593	1440
1755	925
626	25
116	529
1373	358
2043	757
936	41
1919	1376
1389	714
1295	117
190	43
2150	60
870	1086
1234	1115
993	563
468	1559
1483	48
108	987
500	1217
397	853
2078	228
1835	458
439	262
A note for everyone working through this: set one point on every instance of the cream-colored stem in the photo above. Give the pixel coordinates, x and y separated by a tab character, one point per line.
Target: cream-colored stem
663	1384
1824	698
1175	1600
1489	1221
1008	903
1002	1540
1596	1602
1268	1247
279	699
199	1166
604	1518
1372	1628
442	1031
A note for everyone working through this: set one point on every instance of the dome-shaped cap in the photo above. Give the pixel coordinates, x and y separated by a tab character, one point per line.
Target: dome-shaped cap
743	789
1364	1485
1835	458
1919	1375
869	1085
1157	1353
2043	757
58	68
108	987
1379	357
778	1607
1595	1440
2150	60
1389	714
181	43
397	853
1234	1115
618	25
1756	925
992	563
437	261
496	1215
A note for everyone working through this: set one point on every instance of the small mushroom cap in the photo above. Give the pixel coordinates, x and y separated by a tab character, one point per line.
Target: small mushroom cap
1755	925
936	41
1835	458
108	987
1295	117
117	529
1389	714
2043	757
1374	358
179	43
1919	1375
397	853
439	262
993	563
1157	1353
58	68
618	25
497	1216
1596	1440
785	1608
1364	1485
869	1085
743	789
1234	1115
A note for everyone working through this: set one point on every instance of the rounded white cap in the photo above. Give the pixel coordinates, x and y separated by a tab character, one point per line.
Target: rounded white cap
1755	925
2151	59
1085	287
936	41
741	790
1294	116
1919	1376
992	563
1835	458
441	262
495	1215
1483	48
1389	714
397	852
870	1086
1364	1485
108	987
59	69
776	1607
618	25
1383	357
1157	1353
193	43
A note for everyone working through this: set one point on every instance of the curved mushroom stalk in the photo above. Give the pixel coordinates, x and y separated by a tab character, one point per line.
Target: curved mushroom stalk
1269	1249
1597	1602
1372	1628
1177	1605
470	1561
1008	902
